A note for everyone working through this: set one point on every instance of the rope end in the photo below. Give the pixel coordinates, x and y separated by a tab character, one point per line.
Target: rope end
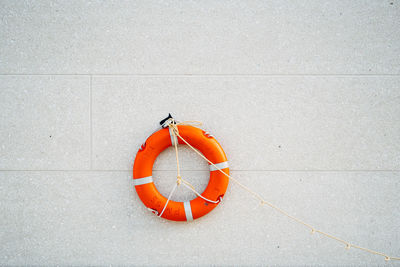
154	211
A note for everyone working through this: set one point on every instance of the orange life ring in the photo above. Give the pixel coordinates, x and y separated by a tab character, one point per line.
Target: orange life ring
148	193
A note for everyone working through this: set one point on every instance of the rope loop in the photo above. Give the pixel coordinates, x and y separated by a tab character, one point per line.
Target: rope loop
153	211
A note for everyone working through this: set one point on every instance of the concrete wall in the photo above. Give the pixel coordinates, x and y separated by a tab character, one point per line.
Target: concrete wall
304	97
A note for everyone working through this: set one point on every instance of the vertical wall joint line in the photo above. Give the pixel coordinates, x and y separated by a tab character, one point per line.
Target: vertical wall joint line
90	121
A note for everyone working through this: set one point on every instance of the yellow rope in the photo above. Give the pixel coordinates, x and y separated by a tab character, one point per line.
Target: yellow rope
179	179
176	134
178	171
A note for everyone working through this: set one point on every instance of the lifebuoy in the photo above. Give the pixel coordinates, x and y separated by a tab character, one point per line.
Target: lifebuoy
180	211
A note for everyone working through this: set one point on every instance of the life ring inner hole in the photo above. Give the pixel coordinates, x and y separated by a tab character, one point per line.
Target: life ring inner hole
193	169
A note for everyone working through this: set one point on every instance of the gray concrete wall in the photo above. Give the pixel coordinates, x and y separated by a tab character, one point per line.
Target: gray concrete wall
304	97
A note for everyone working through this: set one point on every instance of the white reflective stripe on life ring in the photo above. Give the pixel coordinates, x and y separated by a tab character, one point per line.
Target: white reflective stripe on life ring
221	166
144	180
188	211
171	134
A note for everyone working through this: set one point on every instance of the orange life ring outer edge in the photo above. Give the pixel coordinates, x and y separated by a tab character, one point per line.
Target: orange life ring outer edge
151	197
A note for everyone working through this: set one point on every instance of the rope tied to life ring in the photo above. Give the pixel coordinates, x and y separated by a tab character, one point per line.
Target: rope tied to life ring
179	180
173	126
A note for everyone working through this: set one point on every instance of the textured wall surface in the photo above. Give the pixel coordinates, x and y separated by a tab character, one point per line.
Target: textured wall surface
304	97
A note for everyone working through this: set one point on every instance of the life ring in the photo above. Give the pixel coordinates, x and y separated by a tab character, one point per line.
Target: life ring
147	191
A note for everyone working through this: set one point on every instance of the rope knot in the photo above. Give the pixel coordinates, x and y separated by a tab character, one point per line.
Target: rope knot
387	258
178	180
348	246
